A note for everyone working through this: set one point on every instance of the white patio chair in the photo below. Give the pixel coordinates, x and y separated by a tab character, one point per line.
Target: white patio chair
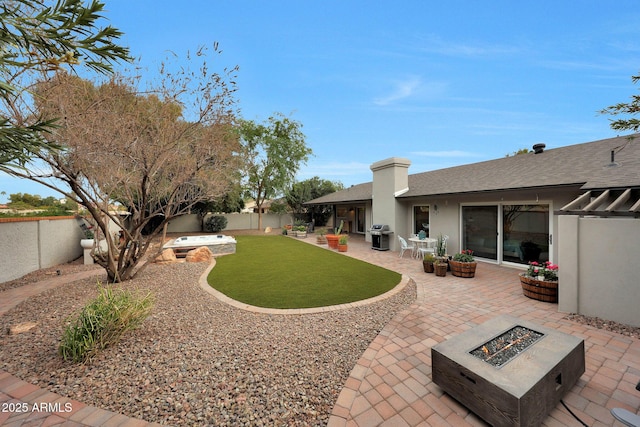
625	417
429	247
404	246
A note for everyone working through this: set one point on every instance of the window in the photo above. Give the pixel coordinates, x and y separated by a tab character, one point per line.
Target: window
360	220
421	219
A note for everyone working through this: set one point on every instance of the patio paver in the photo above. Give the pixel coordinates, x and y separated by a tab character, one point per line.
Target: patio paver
399	360
391	383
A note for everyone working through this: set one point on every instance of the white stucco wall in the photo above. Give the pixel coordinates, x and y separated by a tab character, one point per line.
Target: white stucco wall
243	221
598	276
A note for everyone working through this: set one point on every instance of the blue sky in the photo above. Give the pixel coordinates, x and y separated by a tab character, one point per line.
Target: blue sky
440	83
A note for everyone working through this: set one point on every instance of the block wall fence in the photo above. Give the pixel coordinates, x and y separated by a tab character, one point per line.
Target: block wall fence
29	244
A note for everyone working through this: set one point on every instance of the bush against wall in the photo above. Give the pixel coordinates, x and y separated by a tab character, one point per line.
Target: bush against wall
102	323
215	223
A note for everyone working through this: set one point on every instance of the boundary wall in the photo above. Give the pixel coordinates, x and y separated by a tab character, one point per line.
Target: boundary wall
236	221
29	244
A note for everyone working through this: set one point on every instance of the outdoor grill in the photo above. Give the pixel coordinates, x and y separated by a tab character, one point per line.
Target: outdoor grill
380	237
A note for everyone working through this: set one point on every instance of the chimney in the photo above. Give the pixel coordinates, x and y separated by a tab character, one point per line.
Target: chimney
390	179
538	148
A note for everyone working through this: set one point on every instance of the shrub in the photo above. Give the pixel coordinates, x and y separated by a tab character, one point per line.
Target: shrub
102	323
465	255
215	223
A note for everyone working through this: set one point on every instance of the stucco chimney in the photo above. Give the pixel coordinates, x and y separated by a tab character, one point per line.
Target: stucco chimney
390	179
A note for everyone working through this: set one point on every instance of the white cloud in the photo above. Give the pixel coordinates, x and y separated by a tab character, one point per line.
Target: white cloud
434	44
403	89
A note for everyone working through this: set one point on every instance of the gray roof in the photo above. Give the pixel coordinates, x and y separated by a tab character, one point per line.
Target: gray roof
586	165
355	193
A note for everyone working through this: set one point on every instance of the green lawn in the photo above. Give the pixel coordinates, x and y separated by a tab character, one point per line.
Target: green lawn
281	272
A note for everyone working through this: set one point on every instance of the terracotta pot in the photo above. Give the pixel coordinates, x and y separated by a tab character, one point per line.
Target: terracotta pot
342	248
463	269
332	240
541	290
321	239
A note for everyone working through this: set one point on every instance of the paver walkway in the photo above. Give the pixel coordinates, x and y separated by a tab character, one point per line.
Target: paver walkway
391	383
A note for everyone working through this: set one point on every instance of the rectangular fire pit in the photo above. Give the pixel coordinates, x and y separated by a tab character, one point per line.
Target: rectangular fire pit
508	371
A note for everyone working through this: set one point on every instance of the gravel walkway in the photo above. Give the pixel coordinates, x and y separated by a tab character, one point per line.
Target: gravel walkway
196	361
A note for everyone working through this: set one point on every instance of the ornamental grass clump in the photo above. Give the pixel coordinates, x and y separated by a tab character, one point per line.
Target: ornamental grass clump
102	323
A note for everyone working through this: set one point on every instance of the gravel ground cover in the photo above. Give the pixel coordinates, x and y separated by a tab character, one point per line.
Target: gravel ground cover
196	361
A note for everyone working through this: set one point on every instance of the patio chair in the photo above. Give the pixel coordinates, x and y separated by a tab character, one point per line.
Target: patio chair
626	417
429	247
404	246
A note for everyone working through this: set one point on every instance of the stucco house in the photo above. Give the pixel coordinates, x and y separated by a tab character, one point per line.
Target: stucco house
577	206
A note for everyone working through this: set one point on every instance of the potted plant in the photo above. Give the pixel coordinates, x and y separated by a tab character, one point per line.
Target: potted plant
332	239
463	264
321	237
540	281
427	262
87	242
342	243
441	245
301	231
440	267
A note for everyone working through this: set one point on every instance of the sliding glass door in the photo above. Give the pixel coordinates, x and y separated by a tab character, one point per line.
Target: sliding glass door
516	233
525	234
480	230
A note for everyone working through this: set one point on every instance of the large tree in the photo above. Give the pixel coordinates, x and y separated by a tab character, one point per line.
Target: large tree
157	152
274	152
631	108
303	191
37	40
230	202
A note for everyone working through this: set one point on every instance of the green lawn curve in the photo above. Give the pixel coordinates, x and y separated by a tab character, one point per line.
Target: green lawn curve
281	272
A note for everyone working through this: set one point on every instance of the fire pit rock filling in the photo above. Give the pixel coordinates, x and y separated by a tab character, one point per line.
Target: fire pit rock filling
508	371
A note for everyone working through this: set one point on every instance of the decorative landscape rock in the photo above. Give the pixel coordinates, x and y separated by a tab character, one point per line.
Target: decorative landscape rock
201	254
21	327
166	256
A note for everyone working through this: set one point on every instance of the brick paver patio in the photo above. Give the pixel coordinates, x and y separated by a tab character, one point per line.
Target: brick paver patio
391	383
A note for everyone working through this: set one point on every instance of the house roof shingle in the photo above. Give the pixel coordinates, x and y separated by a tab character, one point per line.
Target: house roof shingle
587	165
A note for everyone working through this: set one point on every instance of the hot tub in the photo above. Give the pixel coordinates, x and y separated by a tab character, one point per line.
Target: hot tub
217	243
